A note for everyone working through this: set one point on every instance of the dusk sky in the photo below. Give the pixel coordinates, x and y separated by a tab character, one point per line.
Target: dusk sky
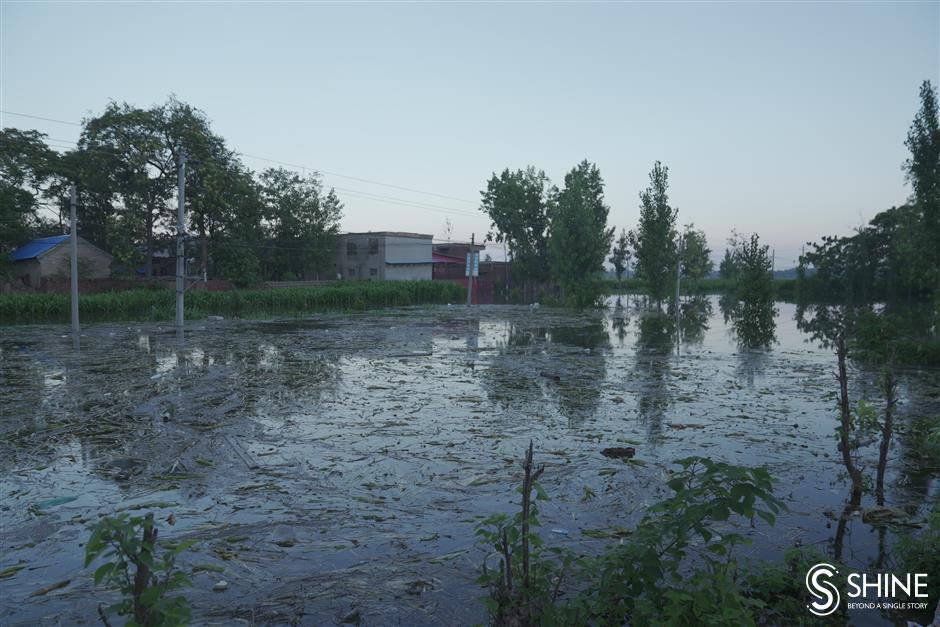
787	119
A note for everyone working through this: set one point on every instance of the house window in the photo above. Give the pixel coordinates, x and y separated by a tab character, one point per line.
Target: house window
373	246
351	272
373	272
350	249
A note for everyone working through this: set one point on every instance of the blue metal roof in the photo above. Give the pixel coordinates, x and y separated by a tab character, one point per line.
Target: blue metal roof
37	247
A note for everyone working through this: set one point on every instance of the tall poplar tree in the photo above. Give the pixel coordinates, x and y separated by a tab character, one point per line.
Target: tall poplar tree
580	237
654	240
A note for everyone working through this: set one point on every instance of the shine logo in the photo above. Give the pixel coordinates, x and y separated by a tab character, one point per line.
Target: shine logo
824	592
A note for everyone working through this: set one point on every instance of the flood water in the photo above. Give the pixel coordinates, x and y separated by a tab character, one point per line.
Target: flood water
338	463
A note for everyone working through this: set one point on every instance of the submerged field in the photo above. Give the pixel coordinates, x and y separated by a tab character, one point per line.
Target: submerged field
334	466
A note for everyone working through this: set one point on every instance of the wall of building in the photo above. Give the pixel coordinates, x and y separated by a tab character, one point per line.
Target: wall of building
358	257
408	272
363	257
28	272
93	263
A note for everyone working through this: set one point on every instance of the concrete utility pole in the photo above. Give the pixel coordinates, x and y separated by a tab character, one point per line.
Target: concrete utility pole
73	251
470	260
678	269
180	248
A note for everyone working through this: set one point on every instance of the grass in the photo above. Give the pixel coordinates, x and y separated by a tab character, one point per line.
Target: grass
160	305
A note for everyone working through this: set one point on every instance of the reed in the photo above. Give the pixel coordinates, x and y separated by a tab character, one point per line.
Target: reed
159	305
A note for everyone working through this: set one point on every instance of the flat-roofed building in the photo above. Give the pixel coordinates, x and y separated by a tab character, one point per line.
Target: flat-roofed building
383	256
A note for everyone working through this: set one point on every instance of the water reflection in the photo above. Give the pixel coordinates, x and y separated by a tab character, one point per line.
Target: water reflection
562	363
652	370
753	321
693	319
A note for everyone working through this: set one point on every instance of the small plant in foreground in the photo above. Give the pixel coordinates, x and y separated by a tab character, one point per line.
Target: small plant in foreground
128	545
676	568
527	583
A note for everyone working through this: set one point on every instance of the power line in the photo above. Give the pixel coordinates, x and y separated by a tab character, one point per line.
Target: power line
39	117
417	204
284	163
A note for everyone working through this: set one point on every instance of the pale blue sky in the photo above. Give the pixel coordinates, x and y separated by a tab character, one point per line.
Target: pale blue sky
787	119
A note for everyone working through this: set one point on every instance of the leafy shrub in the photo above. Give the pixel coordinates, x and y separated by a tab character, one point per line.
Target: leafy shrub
128	546
677	567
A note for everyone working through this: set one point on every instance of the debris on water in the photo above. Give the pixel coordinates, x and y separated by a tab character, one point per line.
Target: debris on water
549	375
50	588
62	500
9	571
686	425
220	586
419	586
880	515
352	618
613	532
619	452
560	531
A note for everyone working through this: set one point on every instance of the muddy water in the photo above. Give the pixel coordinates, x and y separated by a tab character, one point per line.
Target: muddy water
335	466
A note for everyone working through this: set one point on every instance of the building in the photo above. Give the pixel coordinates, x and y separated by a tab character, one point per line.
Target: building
383	256
49	257
450	259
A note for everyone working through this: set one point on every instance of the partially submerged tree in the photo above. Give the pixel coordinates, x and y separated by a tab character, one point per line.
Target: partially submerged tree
620	254
754	313
923	172
654	240
695	255
580	237
519	205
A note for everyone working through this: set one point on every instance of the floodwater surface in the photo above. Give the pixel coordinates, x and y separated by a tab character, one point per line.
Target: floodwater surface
334	467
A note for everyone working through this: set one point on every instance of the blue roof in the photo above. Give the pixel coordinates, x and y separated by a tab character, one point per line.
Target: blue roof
37	247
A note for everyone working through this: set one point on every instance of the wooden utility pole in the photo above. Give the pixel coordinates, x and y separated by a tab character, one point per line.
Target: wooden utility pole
73	251
180	248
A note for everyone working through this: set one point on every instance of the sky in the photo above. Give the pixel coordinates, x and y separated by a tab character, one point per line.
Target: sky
784	119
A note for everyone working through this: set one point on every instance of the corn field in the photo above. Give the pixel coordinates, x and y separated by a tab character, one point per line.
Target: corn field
160	305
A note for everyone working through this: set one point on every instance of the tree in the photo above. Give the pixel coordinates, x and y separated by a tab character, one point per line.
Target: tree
518	205
620	254
27	164
303	223
579	237
135	154
753	315
654	240
922	170
695	254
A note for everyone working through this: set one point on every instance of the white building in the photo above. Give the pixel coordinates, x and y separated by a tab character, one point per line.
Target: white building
384	256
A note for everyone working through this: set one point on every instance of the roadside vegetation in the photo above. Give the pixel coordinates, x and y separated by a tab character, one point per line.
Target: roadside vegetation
159	304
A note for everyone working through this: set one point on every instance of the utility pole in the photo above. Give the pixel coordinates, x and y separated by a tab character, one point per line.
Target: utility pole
180	232
678	269
470	260
678	279
73	250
